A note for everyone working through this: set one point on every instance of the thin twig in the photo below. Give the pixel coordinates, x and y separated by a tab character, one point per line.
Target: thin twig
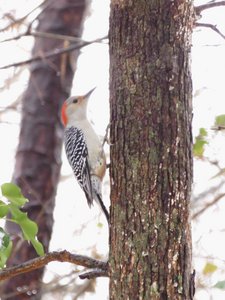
20	20
40	34
61	256
218	127
215	200
211	26
53	53
207	192
50	35
200	8
94	274
29	31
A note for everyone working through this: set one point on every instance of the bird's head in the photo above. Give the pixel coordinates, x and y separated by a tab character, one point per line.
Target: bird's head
75	108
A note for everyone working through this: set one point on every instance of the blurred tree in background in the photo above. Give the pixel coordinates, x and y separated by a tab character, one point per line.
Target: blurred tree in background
38	156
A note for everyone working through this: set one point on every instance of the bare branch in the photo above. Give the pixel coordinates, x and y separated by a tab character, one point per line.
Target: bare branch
9	81
200	8
45	4
17	37
53	53
214	201
40	34
218	127
62	256
211	190
211	26
50	35
94	274
22	19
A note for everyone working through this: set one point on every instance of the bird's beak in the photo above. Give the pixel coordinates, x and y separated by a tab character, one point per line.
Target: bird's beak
89	93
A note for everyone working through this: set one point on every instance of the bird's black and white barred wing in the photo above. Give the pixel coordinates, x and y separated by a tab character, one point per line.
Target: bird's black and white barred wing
77	154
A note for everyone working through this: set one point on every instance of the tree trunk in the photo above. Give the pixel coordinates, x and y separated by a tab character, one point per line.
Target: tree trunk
38	157
151	149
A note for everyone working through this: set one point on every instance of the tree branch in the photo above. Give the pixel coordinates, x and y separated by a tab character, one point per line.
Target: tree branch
19	21
218	127
53	53
211	26
214	201
211	190
94	274
62	256
39	34
200	8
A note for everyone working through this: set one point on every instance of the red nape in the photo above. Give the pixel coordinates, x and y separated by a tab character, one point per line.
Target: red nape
63	114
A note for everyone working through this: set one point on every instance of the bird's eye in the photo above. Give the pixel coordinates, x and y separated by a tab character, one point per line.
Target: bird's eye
75	100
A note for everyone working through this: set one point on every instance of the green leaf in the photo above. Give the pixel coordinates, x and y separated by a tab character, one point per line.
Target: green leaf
220	285
220	120
202	132
13	193
200	142
5	254
99	225
17	214
4	208
38	247
198	148
5	247
28	227
4	238
209	268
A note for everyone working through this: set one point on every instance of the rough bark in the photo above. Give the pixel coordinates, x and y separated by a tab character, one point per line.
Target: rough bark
38	156
151	149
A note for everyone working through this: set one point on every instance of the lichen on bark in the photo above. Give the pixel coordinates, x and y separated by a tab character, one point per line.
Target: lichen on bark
151	157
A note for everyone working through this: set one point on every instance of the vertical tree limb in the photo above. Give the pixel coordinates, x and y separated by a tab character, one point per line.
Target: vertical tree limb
151	149
38	156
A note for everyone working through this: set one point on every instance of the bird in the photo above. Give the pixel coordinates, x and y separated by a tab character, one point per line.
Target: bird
84	149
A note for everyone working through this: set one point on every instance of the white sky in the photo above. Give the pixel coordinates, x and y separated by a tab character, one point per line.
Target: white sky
208	73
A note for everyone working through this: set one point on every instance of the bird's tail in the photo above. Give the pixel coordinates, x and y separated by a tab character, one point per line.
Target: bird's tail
104	209
97	195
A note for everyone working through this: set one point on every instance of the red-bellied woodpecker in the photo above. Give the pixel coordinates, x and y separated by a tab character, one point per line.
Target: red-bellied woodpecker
83	149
